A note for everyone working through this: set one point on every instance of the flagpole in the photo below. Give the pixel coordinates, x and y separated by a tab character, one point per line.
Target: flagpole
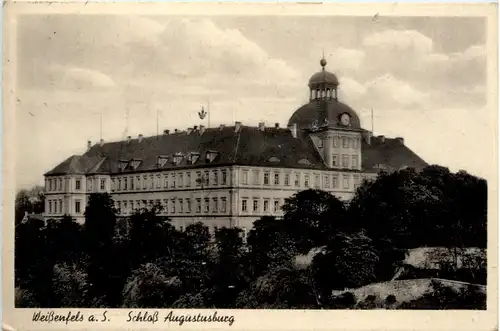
372	120
208	111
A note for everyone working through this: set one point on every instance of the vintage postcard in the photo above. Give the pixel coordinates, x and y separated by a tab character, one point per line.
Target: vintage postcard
250	166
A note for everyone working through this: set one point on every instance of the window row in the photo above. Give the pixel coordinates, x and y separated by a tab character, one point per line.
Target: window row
345	162
258	205
60	184
173	180
343	142
56	206
176	205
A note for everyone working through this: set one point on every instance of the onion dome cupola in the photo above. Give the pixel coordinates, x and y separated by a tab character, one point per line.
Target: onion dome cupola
323	84
324	110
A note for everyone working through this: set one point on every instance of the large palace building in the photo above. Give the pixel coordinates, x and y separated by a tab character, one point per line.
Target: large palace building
231	175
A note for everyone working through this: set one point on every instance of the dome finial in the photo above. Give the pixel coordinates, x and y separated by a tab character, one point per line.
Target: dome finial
323	61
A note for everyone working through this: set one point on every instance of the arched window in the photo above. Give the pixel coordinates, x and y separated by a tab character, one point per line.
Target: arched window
317	94
328	93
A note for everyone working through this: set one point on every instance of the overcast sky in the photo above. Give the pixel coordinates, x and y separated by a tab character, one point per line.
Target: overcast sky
424	77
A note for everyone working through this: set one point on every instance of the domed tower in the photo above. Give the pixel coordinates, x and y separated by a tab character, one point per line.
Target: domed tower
333	126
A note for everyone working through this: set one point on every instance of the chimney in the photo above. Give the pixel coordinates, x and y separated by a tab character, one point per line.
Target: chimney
89	144
195	127
401	140
276	125
101	142
382	139
189	130
176	131
221	127
129	139
202	129
140	137
237	126
262	126
166	132
293	129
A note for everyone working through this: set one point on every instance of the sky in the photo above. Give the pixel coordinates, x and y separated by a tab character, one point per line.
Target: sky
424	78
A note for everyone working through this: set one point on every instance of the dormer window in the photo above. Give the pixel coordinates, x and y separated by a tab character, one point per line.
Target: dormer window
122	164
161	160
193	157
210	156
177	158
134	163
304	162
273	159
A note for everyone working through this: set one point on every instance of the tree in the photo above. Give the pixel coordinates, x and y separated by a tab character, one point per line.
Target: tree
149	287
270	245
99	228
312	217
348	261
228	272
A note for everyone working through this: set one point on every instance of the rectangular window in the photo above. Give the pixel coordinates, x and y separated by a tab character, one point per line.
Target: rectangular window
78	184
132	185
356	181
306	180
287	179
215	177
255	177
244	177
266	206
173	206
244	206
165	206
172	180
188	205
346	182
165	181
198	178
354	161
276	179
138	182
335	181
206	178
125	206
336	142
125	183
255	205
60	206
215	205
266	178
181	179
335	160
345	161
355	143
320	143
276	206
60	184
50	206
113	185
198	205
345	142
151	182
131	202
316	181
224	177
207	205
158	181
351	142
144	182
223	205
188	179
297	180
181	206
326	181
77	206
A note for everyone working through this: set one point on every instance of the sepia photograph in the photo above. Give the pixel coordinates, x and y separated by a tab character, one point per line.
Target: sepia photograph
265	161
